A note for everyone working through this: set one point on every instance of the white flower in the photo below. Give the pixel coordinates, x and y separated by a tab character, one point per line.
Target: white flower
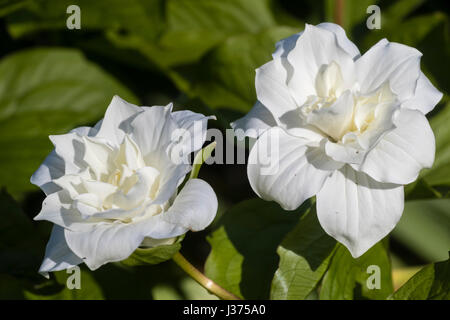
113	187
352	130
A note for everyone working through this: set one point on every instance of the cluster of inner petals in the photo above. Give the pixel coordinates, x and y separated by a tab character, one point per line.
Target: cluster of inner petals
340	111
116	183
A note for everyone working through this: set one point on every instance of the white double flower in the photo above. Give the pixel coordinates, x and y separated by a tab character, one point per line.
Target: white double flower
350	129
113	187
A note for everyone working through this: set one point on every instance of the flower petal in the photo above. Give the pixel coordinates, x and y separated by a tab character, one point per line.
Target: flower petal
390	62
52	168
58	256
314	48
283	168
105	242
403	152
152	129
194	207
271	88
425	97
256	121
118	111
196	125
357	210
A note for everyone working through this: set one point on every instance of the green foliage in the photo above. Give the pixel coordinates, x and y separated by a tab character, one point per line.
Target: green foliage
346	278
243	255
154	255
430	283
424	228
43	92
439	174
305	254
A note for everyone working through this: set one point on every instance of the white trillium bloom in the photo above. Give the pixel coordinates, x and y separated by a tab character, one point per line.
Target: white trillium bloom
113	187
351	130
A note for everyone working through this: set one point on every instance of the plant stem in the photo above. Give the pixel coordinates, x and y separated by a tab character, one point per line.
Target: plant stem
339	12
203	280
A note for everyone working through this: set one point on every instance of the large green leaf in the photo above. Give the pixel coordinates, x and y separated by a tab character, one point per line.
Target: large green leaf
225	77
243	256
43	92
304	257
346	278
424	228
430	283
143	17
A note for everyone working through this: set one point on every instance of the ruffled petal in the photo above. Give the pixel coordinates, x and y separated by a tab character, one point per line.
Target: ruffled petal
357	210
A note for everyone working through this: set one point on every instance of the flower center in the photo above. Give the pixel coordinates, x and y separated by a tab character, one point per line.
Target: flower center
340	110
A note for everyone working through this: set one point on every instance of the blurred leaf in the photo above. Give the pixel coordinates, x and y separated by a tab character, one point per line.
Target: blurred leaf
430	283
346	278
196	26
155	255
439	174
190	290
43	92
89	289
143	17
402	275
424	228
353	11
243	249
225	77
9	6
304	257
20	246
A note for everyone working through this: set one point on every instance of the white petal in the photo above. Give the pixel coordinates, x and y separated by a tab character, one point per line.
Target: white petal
403	152
59	213
357	210
256	121
105	242
114	127
97	156
425	97
284	169
393	62
194	207
196	125
347	153
335	119
152	129
271	88
58	256
316	47
284	46
70	148
52	168
341	38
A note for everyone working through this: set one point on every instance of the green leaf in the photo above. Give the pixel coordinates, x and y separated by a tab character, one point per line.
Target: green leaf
200	158
89	289
44	92
154	255
225	77
143	17
347	278
21	249
424	227
196	26
304	257
430	283
439	174
243	255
